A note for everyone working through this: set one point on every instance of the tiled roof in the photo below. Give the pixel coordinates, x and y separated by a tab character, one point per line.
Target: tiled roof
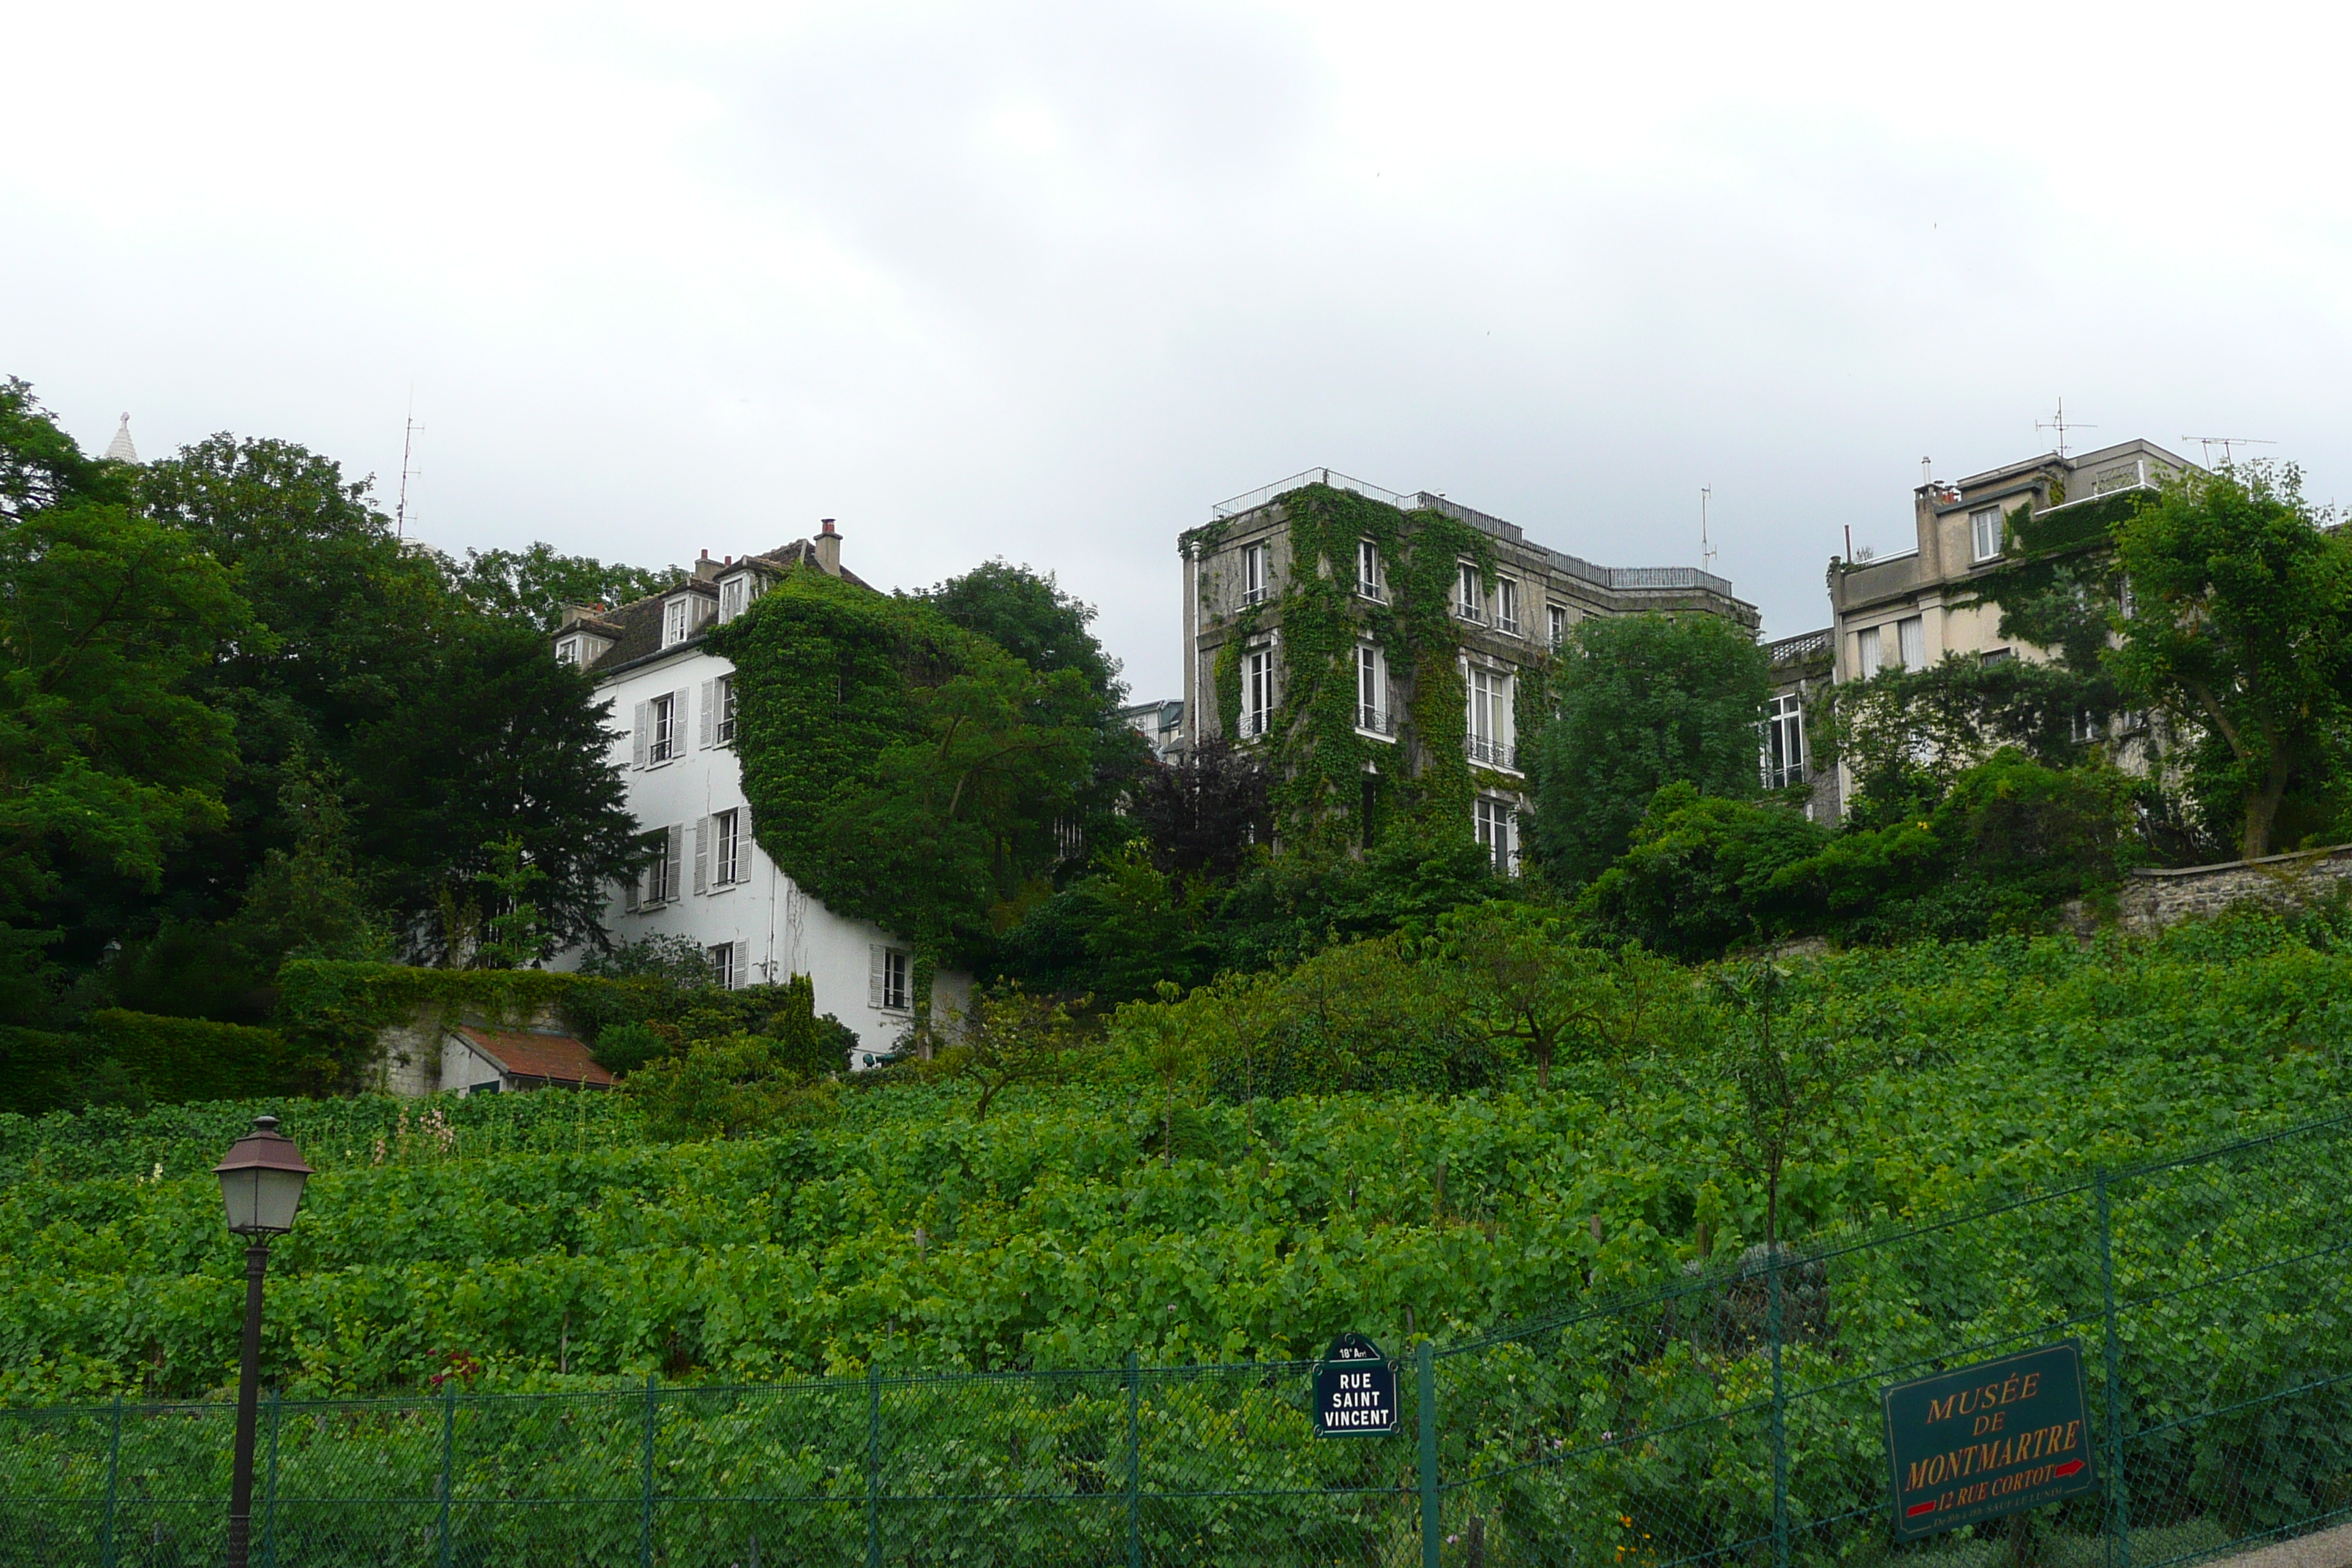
635	627
555	1058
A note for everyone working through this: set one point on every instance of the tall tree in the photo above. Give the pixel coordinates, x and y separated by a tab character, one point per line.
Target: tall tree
108	760
1642	701
534	584
2240	625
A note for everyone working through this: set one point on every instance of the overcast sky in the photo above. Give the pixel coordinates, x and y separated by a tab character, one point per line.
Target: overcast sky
1047	281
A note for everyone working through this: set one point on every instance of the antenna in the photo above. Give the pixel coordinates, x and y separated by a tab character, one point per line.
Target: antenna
407	445
2061	424
1707	551
2225	443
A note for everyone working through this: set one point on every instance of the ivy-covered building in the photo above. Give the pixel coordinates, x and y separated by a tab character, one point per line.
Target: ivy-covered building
675	700
1388	653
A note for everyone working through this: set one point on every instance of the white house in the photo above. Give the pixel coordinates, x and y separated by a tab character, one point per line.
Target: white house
711	882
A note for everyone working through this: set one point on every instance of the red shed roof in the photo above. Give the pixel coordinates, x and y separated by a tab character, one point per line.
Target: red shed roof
555	1058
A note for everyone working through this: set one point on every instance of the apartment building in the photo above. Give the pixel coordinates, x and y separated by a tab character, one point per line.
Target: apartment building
1235	575
674	704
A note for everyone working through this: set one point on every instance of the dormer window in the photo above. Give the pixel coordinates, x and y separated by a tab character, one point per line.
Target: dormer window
568	651
734	596
678	620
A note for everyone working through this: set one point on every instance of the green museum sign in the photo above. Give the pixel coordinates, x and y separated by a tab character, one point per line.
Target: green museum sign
1989	1439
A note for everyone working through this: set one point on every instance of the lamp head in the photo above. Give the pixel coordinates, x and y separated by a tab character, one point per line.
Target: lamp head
261	1180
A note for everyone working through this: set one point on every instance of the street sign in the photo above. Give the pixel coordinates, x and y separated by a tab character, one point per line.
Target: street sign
1355	1390
1987	1440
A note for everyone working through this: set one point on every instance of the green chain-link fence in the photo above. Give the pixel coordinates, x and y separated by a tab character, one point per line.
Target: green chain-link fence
1730	1418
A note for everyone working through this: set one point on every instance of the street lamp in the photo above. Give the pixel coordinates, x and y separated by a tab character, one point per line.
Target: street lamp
261	1183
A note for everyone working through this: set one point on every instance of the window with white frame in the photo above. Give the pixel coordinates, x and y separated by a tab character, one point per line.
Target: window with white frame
722	965
1557	615
1495	823
734	596
1368	569
657	884
1487	733
726	848
1911	642
1985	528
1257	689
1469	594
894	979
568	651
1784	741
659	727
1372	690
1869	652
1507	605
722	702
678	620
1254	574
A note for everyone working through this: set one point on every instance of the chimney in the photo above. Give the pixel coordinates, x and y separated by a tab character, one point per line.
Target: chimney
828	548
706	568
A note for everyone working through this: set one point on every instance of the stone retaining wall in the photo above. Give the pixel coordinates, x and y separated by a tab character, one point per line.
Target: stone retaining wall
2150	900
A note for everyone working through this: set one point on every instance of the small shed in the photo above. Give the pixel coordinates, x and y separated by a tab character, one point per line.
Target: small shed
476	1061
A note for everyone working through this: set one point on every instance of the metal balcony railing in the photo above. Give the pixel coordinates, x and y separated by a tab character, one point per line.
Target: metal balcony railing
1373	721
1492	754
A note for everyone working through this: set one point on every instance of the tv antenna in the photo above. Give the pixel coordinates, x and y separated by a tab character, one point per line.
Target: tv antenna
1707	551
2225	443
2060	423
407	445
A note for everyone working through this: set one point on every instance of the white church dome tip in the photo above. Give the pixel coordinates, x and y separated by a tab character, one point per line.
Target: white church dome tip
119	449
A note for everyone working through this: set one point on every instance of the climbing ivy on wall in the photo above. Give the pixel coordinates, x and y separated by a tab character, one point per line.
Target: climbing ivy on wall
900	769
1315	755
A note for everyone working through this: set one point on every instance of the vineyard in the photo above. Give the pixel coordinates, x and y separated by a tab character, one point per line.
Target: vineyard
537	1243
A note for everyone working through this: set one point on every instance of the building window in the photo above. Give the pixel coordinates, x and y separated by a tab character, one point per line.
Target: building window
726	847
568	651
676	621
1993	655
1253	573
734	597
1257	691
722	699
1493	822
1869	652
661	729
722	965
1984	524
1371	690
659	883
1488	737
1507	605
1368	569
1911	642
1469	598
1559	615
1784	741
894	989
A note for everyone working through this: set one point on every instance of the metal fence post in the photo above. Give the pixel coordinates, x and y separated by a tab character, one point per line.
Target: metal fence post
873	1465
2118	1499
652	1424
449	1467
1780	1416
269	1490
1425	1369
1134	1468
113	1472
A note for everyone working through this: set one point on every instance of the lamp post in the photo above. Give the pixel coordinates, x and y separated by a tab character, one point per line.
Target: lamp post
261	1183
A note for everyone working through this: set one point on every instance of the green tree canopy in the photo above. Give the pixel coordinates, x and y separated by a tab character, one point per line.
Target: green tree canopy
2240	626
533	585
1641	701
109	759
